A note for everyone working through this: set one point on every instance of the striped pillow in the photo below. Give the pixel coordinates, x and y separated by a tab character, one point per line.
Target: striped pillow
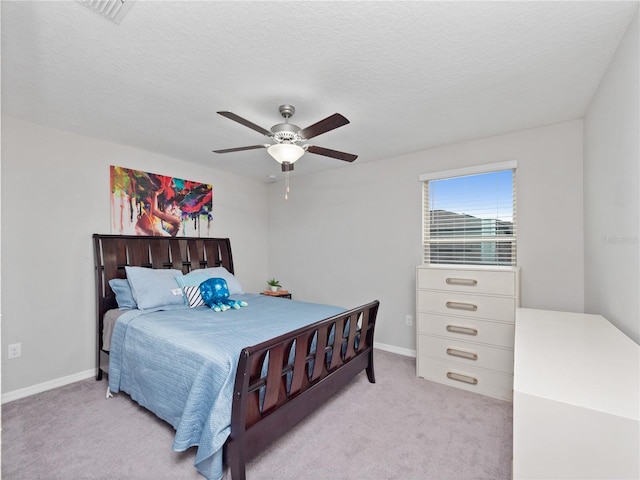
193	296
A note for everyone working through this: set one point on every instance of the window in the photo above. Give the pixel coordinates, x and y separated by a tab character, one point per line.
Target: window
469	215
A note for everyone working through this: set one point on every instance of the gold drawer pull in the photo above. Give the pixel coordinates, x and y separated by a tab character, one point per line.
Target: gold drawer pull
463	330
470	307
462	354
463	282
462	378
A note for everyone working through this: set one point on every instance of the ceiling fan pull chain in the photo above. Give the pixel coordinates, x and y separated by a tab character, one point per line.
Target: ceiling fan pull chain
286	182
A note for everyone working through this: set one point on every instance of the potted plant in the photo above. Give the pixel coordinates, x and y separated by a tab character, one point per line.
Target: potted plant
274	284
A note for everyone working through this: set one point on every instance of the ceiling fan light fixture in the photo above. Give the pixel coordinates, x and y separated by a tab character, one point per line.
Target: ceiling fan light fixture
285	152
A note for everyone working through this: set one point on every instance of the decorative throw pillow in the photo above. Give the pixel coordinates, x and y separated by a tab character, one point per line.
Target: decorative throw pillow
192	294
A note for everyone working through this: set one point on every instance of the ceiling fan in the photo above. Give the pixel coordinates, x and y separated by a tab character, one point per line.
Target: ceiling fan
286	136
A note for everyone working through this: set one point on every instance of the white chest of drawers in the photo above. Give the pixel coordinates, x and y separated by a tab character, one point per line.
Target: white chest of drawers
465	326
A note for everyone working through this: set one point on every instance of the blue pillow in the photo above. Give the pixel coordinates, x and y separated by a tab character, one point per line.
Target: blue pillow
124	295
196	277
154	287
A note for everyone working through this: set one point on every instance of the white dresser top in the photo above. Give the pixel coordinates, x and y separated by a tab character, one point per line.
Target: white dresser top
577	359
480	268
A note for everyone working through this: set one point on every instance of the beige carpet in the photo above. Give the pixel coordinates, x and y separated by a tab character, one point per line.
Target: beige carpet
401	427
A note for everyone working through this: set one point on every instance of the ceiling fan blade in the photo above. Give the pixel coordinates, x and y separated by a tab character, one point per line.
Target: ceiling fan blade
246	123
239	149
327	152
334	121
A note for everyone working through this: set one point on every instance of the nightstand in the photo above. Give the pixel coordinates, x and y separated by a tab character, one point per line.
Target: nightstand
279	293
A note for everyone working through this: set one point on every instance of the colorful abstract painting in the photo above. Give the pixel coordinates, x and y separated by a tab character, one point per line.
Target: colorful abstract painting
145	203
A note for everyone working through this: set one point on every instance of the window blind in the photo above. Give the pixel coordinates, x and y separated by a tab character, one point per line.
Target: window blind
469	216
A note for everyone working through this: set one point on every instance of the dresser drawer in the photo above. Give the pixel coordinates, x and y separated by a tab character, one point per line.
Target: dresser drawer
478	306
468	378
473	354
468	281
467	329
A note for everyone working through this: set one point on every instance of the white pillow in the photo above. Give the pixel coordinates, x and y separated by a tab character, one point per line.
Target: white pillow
196	277
154	287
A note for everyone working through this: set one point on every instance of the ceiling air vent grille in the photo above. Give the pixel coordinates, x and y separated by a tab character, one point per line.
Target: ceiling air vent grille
114	10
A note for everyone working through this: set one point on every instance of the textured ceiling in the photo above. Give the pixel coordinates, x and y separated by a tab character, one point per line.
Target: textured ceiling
408	75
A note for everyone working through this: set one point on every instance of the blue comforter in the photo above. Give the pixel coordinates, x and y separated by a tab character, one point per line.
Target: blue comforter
180	363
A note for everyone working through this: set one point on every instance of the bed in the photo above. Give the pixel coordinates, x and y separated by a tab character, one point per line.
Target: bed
229	382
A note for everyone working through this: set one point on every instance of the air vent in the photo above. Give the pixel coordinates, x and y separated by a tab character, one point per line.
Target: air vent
114	10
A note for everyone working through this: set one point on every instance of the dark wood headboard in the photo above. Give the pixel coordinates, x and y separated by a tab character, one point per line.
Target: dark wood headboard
114	252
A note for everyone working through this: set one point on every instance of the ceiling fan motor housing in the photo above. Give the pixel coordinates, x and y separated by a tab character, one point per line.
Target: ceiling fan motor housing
286	132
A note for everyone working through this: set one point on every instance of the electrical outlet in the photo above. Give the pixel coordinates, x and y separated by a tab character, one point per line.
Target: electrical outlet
15	350
408	320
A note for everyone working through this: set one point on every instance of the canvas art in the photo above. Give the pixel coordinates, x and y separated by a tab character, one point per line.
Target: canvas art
145	203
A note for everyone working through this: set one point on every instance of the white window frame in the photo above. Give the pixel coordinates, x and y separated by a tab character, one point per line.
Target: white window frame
425	178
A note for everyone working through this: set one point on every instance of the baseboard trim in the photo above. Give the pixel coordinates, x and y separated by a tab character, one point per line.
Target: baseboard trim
393	349
43	387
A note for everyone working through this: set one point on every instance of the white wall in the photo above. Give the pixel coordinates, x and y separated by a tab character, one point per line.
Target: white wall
55	194
351	235
611	195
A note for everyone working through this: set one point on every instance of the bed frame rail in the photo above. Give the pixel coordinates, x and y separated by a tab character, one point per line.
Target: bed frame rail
281	381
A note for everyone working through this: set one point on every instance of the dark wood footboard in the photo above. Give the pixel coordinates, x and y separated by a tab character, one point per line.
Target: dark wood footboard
304	368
